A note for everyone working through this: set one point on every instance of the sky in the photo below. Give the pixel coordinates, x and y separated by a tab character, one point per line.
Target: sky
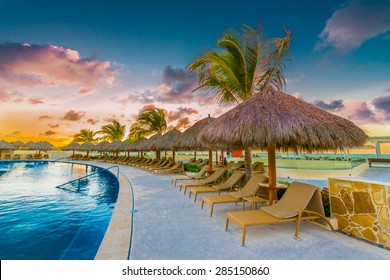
68	65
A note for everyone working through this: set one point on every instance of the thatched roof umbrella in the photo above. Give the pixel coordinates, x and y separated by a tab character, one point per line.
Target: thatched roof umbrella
18	144
87	146
165	142
5	146
42	146
189	139
31	145
149	144
102	146
117	146
275	120
71	147
135	146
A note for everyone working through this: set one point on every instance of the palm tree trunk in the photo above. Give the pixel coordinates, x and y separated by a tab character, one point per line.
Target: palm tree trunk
248	163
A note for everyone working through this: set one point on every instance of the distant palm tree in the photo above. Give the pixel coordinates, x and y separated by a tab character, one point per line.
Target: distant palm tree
242	66
85	135
149	121
113	131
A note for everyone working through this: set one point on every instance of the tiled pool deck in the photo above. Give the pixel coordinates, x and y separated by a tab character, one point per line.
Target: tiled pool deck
169	225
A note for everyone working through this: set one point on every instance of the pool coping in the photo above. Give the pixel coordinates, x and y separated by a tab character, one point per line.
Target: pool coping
116	243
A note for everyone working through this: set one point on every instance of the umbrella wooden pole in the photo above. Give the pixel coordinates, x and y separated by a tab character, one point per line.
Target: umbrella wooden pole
248	163
173	156
272	173
210	160
195	155
216	157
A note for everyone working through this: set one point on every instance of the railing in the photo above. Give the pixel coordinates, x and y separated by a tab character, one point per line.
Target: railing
63	158
89	175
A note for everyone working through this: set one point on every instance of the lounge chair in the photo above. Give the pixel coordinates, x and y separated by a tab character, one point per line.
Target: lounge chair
226	186
300	202
250	189
176	168
237	165
208	181
16	157
197	176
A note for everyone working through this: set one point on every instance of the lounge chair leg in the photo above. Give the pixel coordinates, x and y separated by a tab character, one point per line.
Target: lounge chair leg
243	236
202	204
227	224
211	210
189	195
298	225
196	195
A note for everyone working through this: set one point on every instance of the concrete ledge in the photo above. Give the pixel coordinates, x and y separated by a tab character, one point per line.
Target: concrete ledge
116	241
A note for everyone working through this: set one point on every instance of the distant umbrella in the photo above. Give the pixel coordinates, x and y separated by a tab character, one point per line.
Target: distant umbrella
164	143
30	145
135	146
102	146
275	120
42	146
18	144
71	147
189	139
87	146
149	145
5	146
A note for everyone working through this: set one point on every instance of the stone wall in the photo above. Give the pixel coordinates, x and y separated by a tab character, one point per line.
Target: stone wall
362	209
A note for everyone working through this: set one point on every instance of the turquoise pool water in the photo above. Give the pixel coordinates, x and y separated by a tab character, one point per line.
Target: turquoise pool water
40	221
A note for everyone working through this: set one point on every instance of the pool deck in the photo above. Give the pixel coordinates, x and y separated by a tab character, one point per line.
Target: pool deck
169	226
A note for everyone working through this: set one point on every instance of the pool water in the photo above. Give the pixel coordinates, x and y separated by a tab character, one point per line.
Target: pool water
39	221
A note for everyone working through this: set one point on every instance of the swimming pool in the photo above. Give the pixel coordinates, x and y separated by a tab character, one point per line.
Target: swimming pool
40	221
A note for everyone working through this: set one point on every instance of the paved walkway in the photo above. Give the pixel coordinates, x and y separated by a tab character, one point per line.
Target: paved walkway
169	225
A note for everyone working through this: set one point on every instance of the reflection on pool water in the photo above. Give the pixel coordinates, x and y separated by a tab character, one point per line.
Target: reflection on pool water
40	221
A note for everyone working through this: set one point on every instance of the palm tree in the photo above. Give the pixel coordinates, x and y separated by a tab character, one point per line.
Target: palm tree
113	131
241	67
85	135
149	121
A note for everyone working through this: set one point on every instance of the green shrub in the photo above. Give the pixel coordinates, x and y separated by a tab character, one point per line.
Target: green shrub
191	167
326	201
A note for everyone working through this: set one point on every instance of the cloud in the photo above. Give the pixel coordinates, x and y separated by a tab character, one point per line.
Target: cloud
35	100
15	133
386	90
351	26
334	105
382	104
183	123
180	112
4	96
92	121
72	115
50	133
30	66
85	90
176	87
44	117
54	125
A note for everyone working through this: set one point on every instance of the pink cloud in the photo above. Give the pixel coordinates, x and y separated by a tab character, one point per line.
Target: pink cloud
351	26
183	123
4	96
27	66
180	112
35	100
44	117
72	115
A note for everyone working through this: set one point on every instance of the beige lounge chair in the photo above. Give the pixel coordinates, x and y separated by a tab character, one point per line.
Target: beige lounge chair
208	181
226	186
250	189
177	168
197	176
237	165
300	202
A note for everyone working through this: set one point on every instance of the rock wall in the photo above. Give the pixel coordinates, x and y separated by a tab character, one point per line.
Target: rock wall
362	209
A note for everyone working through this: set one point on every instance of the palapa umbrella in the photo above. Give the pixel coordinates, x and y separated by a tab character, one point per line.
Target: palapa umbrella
275	120
117	146
42	146
149	144
189	139
18	144
71	147
135	146
87	146
31	145
5	146
102	146
165	141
